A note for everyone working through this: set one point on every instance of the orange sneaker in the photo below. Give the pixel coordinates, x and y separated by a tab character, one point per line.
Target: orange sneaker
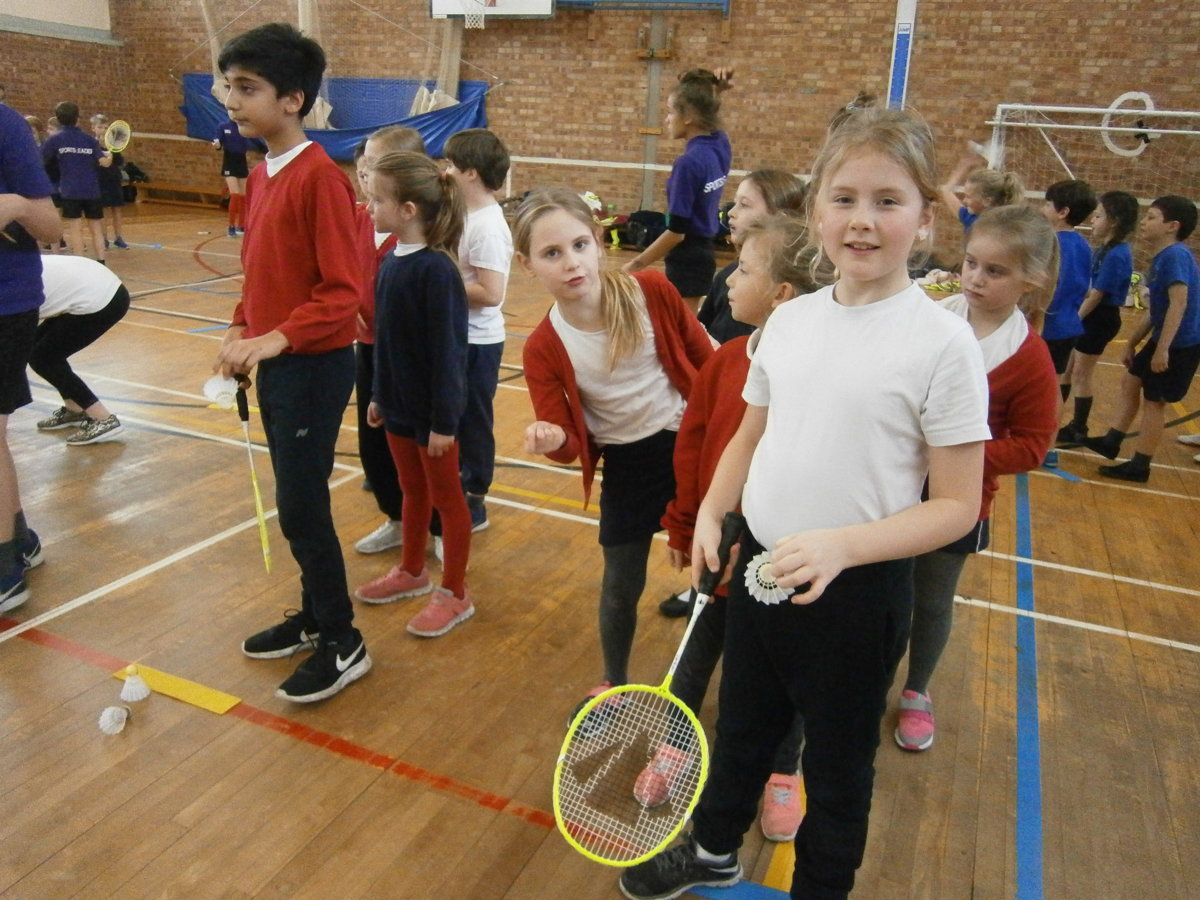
443	612
394	585
781	812
654	784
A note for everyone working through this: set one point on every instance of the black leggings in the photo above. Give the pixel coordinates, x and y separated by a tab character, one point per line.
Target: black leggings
62	336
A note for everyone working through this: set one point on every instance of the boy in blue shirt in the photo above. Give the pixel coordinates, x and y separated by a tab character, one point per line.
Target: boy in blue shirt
26	217
296	322
1068	204
1162	370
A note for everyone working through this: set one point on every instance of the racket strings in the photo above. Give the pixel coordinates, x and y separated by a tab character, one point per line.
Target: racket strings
609	807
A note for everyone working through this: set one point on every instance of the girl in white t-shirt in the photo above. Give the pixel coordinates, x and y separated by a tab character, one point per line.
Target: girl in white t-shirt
855	394
609	370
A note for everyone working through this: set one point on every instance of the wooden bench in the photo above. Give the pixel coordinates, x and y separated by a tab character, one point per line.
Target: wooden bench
180	194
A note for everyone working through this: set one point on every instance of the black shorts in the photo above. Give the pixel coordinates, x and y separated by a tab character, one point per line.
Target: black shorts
1172	385
973	541
89	209
1099	327
233	165
691	265
639	482
112	194
1060	352
17	334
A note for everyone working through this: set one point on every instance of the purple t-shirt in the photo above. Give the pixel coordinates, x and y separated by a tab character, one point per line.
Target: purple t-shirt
695	183
20	173
76	157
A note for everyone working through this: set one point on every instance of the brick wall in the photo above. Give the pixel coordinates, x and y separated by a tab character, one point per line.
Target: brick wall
572	87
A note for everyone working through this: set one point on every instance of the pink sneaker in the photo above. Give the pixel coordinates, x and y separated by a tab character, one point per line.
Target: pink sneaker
782	811
914	731
394	585
654	784
443	612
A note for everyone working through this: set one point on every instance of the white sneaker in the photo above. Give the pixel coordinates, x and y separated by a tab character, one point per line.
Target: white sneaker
438	551
385	537
1192	440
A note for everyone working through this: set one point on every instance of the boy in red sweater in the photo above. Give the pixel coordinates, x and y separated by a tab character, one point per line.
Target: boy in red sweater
296	321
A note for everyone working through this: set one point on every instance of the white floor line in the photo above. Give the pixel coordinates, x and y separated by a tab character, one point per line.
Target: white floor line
1092	573
1075	623
144	571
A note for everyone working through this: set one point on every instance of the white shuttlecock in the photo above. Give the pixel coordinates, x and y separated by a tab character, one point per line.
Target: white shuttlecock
135	687
113	719
761	584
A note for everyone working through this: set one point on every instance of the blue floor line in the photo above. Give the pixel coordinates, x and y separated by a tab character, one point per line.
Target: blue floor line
743	890
1029	767
207	328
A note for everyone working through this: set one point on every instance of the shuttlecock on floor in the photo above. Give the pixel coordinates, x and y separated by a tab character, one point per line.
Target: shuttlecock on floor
135	687
113	719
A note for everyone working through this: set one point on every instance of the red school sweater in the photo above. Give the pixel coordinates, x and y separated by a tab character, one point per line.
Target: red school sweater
680	341
300	257
1023	403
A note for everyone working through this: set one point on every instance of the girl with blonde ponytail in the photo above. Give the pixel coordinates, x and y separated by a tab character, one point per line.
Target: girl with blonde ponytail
420	378
609	370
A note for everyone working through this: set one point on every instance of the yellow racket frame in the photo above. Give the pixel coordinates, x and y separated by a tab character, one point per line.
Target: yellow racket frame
115	128
663	692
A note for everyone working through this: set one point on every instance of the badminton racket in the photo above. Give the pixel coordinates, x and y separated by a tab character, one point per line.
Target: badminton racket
243	407
117	136
635	758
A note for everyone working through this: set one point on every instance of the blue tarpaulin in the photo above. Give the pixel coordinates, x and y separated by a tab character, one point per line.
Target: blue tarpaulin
360	106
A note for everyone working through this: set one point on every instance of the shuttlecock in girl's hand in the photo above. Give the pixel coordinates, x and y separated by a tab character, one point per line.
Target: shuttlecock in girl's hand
113	719
761	583
135	688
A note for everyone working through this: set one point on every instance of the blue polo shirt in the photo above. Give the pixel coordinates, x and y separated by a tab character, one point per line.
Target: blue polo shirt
1175	265
21	173
695	184
1074	278
1112	271
76	157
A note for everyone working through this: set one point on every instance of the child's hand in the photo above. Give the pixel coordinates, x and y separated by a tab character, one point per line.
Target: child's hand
544	437
705	544
238	355
678	558
439	444
814	558
105	160
724	77
374	416
1158	362
1128	355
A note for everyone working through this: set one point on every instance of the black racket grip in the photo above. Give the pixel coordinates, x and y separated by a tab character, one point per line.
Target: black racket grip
242	404
731	532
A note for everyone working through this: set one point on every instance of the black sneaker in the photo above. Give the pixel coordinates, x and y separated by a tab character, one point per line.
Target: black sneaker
335	664
293	634
1126	471
1071	435
13	591
678	605
30	549
676	871
1103	445
478	510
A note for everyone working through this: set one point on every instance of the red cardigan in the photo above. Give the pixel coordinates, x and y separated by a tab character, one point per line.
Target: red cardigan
714	412
680	341
1023	403
300	255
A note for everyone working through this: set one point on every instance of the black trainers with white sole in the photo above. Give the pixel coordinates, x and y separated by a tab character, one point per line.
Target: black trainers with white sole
293	634
336	664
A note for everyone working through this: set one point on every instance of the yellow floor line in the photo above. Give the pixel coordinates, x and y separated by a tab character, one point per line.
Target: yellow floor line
537	495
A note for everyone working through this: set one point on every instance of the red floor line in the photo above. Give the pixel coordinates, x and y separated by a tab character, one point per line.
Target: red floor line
312	736
200	259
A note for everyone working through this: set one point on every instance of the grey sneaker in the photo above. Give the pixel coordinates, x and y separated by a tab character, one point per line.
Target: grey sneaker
674	872
385	537
96	431
62	418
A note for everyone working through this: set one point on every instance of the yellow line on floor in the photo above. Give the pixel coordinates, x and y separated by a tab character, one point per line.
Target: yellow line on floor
537	495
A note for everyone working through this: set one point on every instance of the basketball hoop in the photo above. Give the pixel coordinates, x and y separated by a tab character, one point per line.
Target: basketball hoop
474	13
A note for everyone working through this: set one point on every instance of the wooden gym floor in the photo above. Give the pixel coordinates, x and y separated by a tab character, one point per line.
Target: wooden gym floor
1064	768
